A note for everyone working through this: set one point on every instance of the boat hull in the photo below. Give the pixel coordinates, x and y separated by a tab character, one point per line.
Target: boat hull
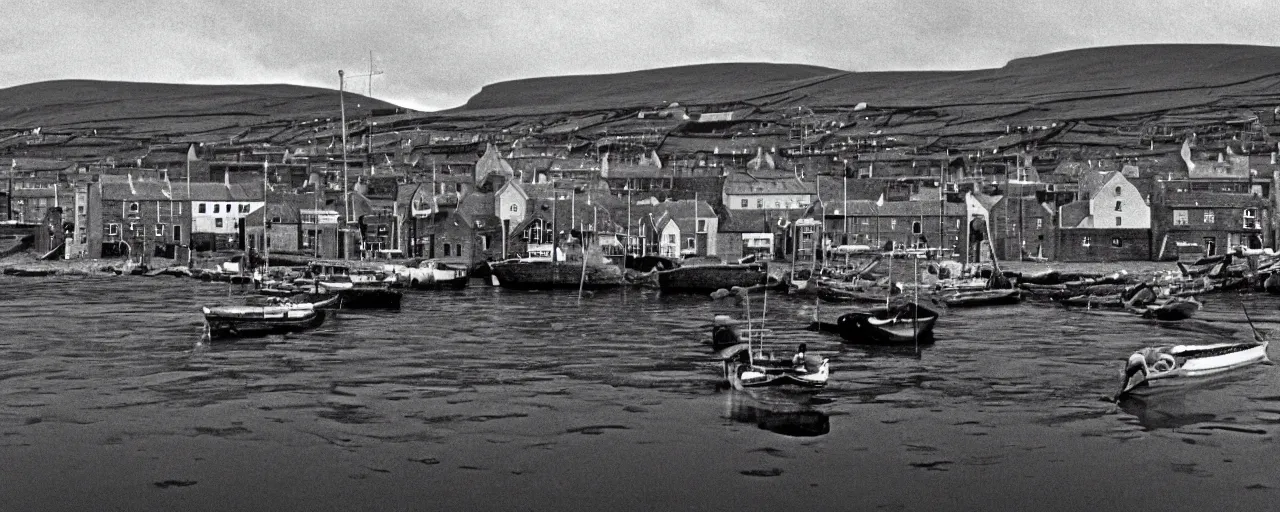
220	325
983	298
894	326
546	275
1189	363
709	278
742	376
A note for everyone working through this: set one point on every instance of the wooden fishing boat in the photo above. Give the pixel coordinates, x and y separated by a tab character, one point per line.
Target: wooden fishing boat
980	298
249	321
536	274
1159	366
709	278
742	369
900	324
1174	309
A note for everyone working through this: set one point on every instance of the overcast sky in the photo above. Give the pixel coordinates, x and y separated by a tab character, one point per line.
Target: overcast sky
437	53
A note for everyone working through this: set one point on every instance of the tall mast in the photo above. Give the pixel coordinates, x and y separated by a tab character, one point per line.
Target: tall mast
266	249
346	198
942	203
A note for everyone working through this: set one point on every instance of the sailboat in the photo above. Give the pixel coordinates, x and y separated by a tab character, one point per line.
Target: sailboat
745	367
996	291
904	323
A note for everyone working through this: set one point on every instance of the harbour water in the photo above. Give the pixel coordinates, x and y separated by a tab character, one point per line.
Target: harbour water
490	399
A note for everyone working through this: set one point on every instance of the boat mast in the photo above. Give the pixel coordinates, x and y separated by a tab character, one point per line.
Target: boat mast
266	249
942	203
346	198
555	235
1021	228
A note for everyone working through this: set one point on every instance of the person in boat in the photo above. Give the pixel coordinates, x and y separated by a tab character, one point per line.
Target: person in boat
798	359
724	332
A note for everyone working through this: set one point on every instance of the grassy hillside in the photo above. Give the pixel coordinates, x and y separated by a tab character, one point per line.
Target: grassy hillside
1077	84
129	108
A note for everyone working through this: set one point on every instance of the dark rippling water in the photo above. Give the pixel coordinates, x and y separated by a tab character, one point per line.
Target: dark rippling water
489	399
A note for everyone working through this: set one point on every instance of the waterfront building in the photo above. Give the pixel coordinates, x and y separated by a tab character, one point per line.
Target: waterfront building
218	211
1109	221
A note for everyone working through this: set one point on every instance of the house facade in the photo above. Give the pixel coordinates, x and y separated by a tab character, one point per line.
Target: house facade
218	211
1110	221
743	191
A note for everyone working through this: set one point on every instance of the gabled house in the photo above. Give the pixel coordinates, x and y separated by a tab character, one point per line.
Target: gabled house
679	229
773	191
1109	221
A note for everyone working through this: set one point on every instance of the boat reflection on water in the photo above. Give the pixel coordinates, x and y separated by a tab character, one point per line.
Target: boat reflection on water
1163	412
779	415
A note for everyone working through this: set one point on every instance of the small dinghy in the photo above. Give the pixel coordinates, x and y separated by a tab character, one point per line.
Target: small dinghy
981	298
900	324
251	321
1158	366
743	369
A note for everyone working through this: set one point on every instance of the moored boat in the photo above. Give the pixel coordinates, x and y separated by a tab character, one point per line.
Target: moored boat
899	324
249	321
742	369
709	278
980	298
537	274
1158	366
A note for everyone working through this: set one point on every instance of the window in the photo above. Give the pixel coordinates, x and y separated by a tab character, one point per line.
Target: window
1208	217
1251	218
159	230
177	233
180	209
133	207
957	224
1085	242
80	209
484	242
113	229
1180	218
200	208
244	208
217	208
275	220
1118	221
1116	242
702	226
514	208
915	228
1039	224
1119	206
867	222
217	222
777	205
893	224
446	249
744	203
688	243
228	208
671	239
760	203
310	240
1118	192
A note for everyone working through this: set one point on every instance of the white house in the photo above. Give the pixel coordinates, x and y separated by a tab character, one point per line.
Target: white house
746	192
1106	201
